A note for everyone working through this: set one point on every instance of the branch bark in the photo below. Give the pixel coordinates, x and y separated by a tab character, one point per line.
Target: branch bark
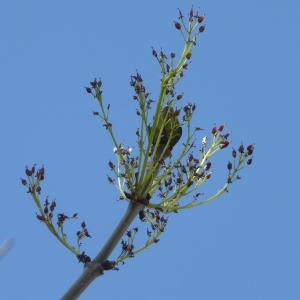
94	269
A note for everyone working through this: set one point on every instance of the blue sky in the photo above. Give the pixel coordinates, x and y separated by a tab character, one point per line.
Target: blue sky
245	73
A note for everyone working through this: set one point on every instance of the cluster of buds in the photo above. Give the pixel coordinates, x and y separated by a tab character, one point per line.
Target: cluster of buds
95	90
127	244
61	218
188	111
156	140
83	258
156	222
182	179
125	171
46	212
82	233
194	17
34	177
95	87
155	173
240	157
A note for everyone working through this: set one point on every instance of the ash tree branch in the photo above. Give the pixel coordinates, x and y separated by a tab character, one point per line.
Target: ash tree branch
95	268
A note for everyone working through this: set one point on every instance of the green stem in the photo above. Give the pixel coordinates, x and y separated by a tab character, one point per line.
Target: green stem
51	227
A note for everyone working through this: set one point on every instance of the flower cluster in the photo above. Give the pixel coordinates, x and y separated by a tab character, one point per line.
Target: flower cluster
154	172
167	170
240	157
47	212
157	223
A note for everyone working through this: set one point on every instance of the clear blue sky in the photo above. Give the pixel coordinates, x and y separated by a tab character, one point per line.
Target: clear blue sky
245	72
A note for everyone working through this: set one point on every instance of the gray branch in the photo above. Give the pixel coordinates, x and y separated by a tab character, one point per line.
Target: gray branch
94	269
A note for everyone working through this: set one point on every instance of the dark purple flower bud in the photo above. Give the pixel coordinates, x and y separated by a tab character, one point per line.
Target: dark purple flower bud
94	83
229	165
40	175
163	55
208	165
179	97
46	210
214	131
202	28
250	149
32	169
200	19
191	13
188	55
75	215
154	53
172	55
83	225
139	77
185	66
249	161
88	90
179	180
224	144
61	218
229	180
241	148
107	125
221	128
111	165
29	172
208	175
186	108
24	182
86	233
108	265
83	258
177	25
52	205
168	68
38	189
40	217
233	153
111	180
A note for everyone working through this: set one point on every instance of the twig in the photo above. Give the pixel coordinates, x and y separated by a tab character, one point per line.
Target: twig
94	268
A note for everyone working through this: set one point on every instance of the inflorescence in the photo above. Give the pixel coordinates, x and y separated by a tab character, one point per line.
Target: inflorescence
47	210
164	180
155	172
